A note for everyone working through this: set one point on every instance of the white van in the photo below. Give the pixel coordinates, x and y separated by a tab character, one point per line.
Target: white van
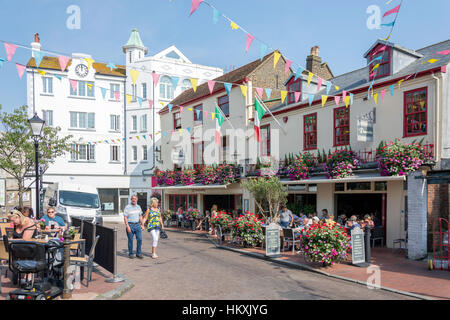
74	201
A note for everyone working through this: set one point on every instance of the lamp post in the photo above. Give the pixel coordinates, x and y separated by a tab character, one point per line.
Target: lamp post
36	126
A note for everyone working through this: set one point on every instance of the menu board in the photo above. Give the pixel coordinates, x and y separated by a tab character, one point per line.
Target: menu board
272	240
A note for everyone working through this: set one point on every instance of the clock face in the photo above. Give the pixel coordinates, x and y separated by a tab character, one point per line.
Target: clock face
81	70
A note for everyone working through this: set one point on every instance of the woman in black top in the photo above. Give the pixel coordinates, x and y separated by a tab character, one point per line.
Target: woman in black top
24	228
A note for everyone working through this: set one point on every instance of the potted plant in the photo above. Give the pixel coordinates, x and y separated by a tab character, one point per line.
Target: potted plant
223	220
167	216
301	167
187	177
42	224
208	175
225	174
341	163
248	229
72	232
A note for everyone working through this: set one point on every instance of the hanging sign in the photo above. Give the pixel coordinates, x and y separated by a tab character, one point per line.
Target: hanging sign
365	130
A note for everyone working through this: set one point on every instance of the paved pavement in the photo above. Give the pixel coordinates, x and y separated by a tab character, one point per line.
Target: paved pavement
191	267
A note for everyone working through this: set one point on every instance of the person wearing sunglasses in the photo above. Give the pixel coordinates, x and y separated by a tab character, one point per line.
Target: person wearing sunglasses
52	221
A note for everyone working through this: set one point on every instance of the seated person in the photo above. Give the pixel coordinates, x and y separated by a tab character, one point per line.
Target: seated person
51	219
24	228
354	219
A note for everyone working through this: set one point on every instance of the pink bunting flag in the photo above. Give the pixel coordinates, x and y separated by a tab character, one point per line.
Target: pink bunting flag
181	109
211	84
297	95
74	84
395	10
194	5
337	99
155	78
445	52
20	69
250	39
151	136
63	61
319	84
117	95
206	114
10	50
344	94
260	91
382	94
287	66
380	49
150	103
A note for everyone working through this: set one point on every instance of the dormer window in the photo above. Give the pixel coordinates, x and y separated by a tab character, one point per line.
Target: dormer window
381	56
292	87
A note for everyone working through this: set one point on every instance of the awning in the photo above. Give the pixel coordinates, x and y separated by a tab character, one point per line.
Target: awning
356	178
197	186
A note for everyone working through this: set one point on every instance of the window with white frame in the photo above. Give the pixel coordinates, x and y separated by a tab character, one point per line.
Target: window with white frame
144	123
165	88
82	152
134	149
114	122
113	88
144	91
134	123
47	85
115	153
82	120
47	115
84	89
144	153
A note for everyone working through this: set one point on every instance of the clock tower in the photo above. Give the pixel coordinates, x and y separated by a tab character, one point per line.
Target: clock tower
134	49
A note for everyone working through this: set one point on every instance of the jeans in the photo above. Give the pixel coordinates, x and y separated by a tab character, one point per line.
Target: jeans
135	230
284	224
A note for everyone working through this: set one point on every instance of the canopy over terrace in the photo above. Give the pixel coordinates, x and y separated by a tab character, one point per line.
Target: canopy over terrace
356	178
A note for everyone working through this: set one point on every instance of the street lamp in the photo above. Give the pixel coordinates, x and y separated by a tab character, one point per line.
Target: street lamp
36	126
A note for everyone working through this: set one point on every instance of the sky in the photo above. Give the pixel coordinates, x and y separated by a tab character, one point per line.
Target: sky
339	28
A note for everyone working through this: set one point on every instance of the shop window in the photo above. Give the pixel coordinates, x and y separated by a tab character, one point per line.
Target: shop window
312	188
310	132
185	201
339	187
381	186
341	126
361	186
415	113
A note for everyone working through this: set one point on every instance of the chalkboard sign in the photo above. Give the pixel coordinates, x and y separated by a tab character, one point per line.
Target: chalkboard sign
358	253
272	240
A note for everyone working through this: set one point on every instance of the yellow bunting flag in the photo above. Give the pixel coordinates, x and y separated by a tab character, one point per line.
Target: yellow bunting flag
276	57
234	26
400	83
433	60
194	83
337	88
310	76
375	67
244	91
129	98
212	115
283	95
190	109
134	75
375	97
347	101
137	137
89	85
89	61
180	130
42	73
324	100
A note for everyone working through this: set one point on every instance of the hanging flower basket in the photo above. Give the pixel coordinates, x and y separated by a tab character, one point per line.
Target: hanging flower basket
301	167
187	177
341	163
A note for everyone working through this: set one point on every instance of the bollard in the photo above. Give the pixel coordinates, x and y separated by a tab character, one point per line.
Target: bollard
367	235
67	292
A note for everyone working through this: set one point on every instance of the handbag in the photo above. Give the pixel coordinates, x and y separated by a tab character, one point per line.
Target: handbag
163	235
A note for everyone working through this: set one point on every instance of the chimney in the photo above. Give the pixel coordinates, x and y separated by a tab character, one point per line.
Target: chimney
313	61
36	45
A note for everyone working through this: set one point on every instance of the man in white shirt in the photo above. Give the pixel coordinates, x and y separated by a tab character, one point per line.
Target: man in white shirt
132	215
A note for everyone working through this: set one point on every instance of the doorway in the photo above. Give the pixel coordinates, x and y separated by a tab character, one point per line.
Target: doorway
362	204
142	200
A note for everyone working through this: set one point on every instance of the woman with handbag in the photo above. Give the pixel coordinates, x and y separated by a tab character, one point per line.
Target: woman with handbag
155	224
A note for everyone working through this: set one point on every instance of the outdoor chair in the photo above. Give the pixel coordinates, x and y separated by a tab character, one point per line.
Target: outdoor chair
77	246
173	219
86	261
289	238
377	233
4	256
400	242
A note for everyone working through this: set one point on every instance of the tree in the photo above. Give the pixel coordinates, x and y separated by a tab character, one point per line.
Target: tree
268	193
17	155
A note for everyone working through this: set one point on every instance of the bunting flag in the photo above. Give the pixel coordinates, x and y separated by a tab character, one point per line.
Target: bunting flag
211	84
310	76
59	77
375	97
1	62
175	82
259	113
111	66
310	98
155	77
344	94
181	109
375	67
287	66
297	96
395	10
150	104
337	88
216	15
228	87
188	129
103	92
164	134
328	88
219	122
38	56
263	51
351	98
89	85
299	72
400	83
134	75
194	6
380	49
212	115
117	95
268	93
234	26
347	101
337	99
324	100
194	83
383	92
376	59
444	52
20	69
283	95
190	109
140	101
260	92
433	60
89	62
276	57
319	83
249	41
392	90
206	113
74	84
10	50
170	107
129	98
390	24
43	73
244	90
63	62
